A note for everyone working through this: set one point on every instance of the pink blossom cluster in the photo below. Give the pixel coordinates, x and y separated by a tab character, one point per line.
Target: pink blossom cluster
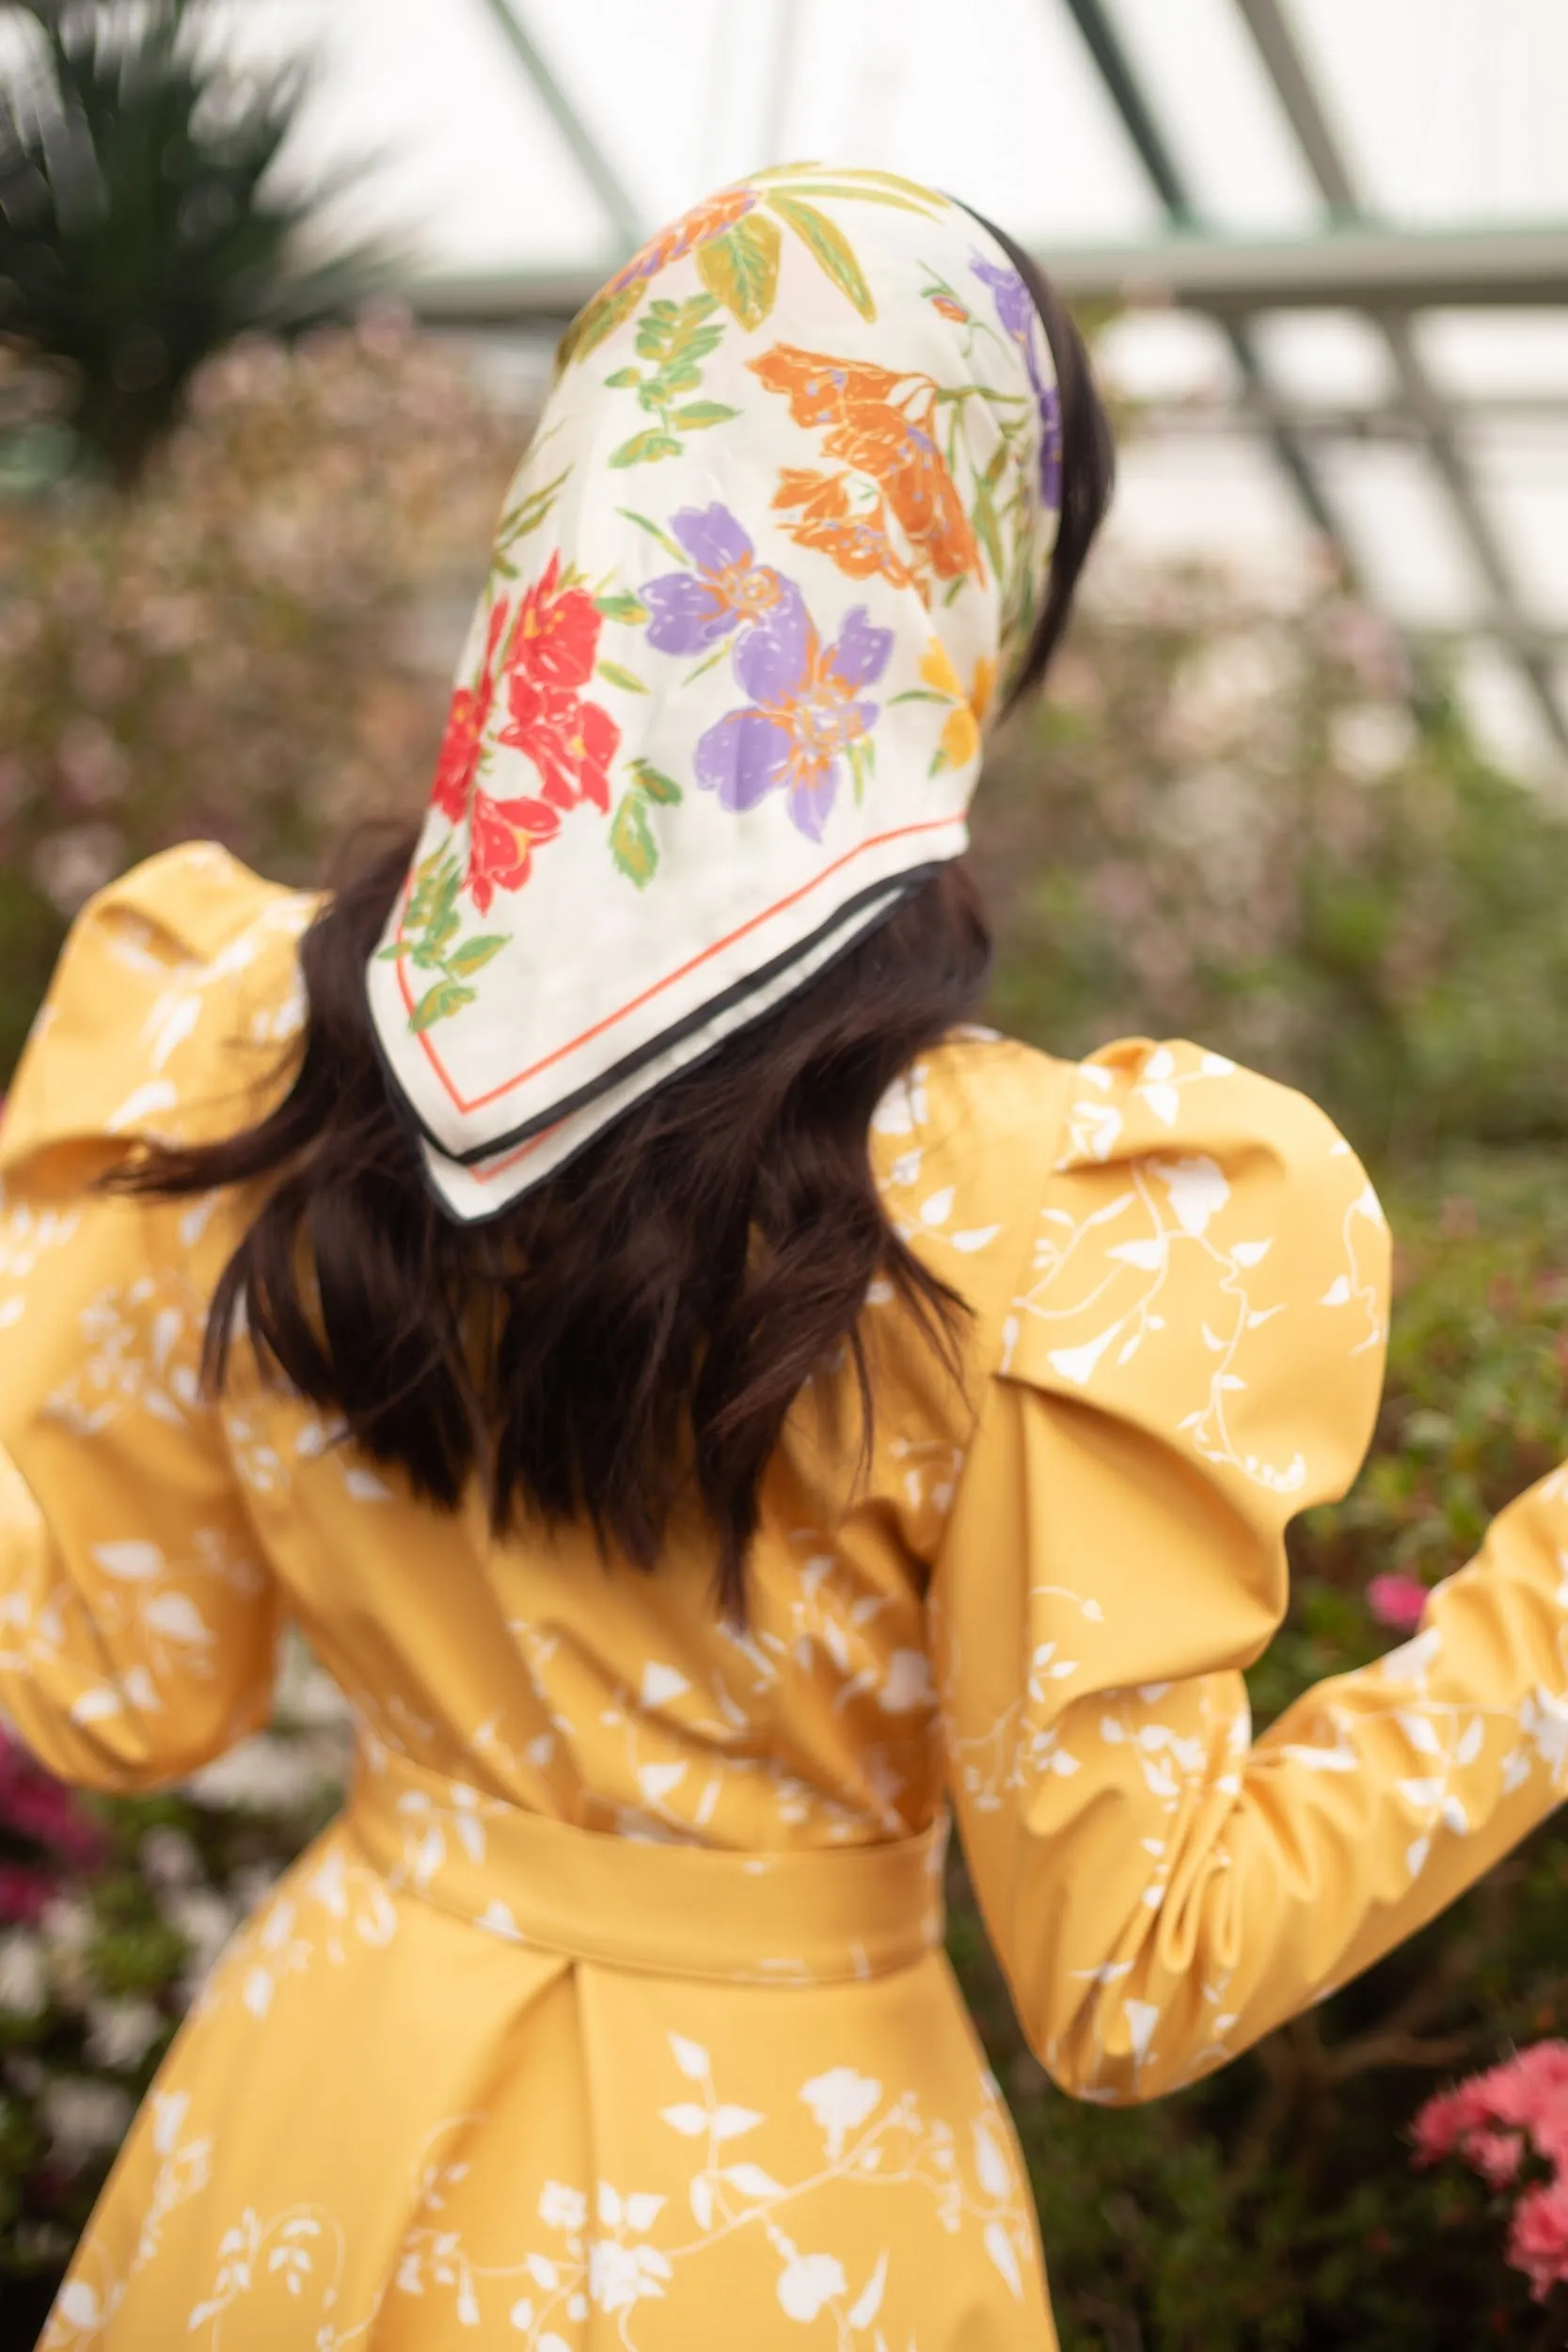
37	1812
1491	2124
1397	1601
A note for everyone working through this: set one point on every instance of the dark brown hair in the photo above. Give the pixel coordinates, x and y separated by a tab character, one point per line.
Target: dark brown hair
633	1332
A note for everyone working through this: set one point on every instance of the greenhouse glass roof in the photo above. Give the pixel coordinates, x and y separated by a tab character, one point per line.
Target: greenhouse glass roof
1337	231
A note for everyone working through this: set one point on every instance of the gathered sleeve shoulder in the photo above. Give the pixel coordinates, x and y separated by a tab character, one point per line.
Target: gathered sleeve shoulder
138	1619
1193	1354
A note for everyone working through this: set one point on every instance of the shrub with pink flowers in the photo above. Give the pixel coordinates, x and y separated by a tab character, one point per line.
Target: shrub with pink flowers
1510	2125
254	645
44	1831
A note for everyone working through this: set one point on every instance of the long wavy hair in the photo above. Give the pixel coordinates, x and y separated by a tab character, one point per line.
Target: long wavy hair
630	1335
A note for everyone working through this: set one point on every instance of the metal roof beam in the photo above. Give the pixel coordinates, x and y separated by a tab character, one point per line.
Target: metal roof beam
1226	278
1287	69
1374	420
1165	176
1114	68
590	157
1357	269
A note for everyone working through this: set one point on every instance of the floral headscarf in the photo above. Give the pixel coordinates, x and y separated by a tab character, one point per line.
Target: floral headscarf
782	527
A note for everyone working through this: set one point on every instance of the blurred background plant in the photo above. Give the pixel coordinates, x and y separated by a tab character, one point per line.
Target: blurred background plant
1226	824
255	644
231	596
144	220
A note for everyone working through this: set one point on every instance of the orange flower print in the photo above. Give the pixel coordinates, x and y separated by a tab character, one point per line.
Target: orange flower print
881	426
707	219
621	293
857	543
959	741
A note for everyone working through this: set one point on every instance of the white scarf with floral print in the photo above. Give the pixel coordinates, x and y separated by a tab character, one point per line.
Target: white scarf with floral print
784	522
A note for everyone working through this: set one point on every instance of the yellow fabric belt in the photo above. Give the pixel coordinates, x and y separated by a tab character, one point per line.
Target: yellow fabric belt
817	1918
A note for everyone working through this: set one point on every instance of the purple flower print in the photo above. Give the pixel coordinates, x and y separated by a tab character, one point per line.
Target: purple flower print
1019	318
692	611
804	712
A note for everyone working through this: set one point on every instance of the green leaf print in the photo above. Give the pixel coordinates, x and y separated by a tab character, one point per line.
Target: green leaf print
631	841
613	675
984	515
828	244
529	513
632	844
674	332
672	546
446	997
594	321
621	607
428	876
475	954
859	181
676	337
741	268
860	196
698	413
656	784
430	928
655	442
721	653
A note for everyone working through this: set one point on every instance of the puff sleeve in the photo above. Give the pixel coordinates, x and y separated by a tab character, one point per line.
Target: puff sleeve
1194	1353
138	1619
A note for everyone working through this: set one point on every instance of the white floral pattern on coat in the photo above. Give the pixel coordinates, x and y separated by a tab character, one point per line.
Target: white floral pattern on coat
1043	1591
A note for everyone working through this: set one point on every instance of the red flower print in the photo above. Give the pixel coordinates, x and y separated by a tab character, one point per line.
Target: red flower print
543	653
502	839
466	720
570	742
556	639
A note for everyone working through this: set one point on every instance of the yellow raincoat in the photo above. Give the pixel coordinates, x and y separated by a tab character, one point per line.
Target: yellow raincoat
612	2010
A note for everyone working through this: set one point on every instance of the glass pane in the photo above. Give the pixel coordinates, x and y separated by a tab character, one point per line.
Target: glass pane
1412	555
1450	109
1201	71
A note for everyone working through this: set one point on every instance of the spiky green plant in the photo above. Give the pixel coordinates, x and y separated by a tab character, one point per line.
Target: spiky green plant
143	223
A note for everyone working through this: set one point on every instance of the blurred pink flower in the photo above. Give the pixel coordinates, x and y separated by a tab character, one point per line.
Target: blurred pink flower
1489	2123
35	1805
1397	1601
1526	2092
1538	2241
23	1892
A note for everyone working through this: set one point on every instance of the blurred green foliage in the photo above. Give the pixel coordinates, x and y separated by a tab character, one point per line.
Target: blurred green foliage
1222	824
143	223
